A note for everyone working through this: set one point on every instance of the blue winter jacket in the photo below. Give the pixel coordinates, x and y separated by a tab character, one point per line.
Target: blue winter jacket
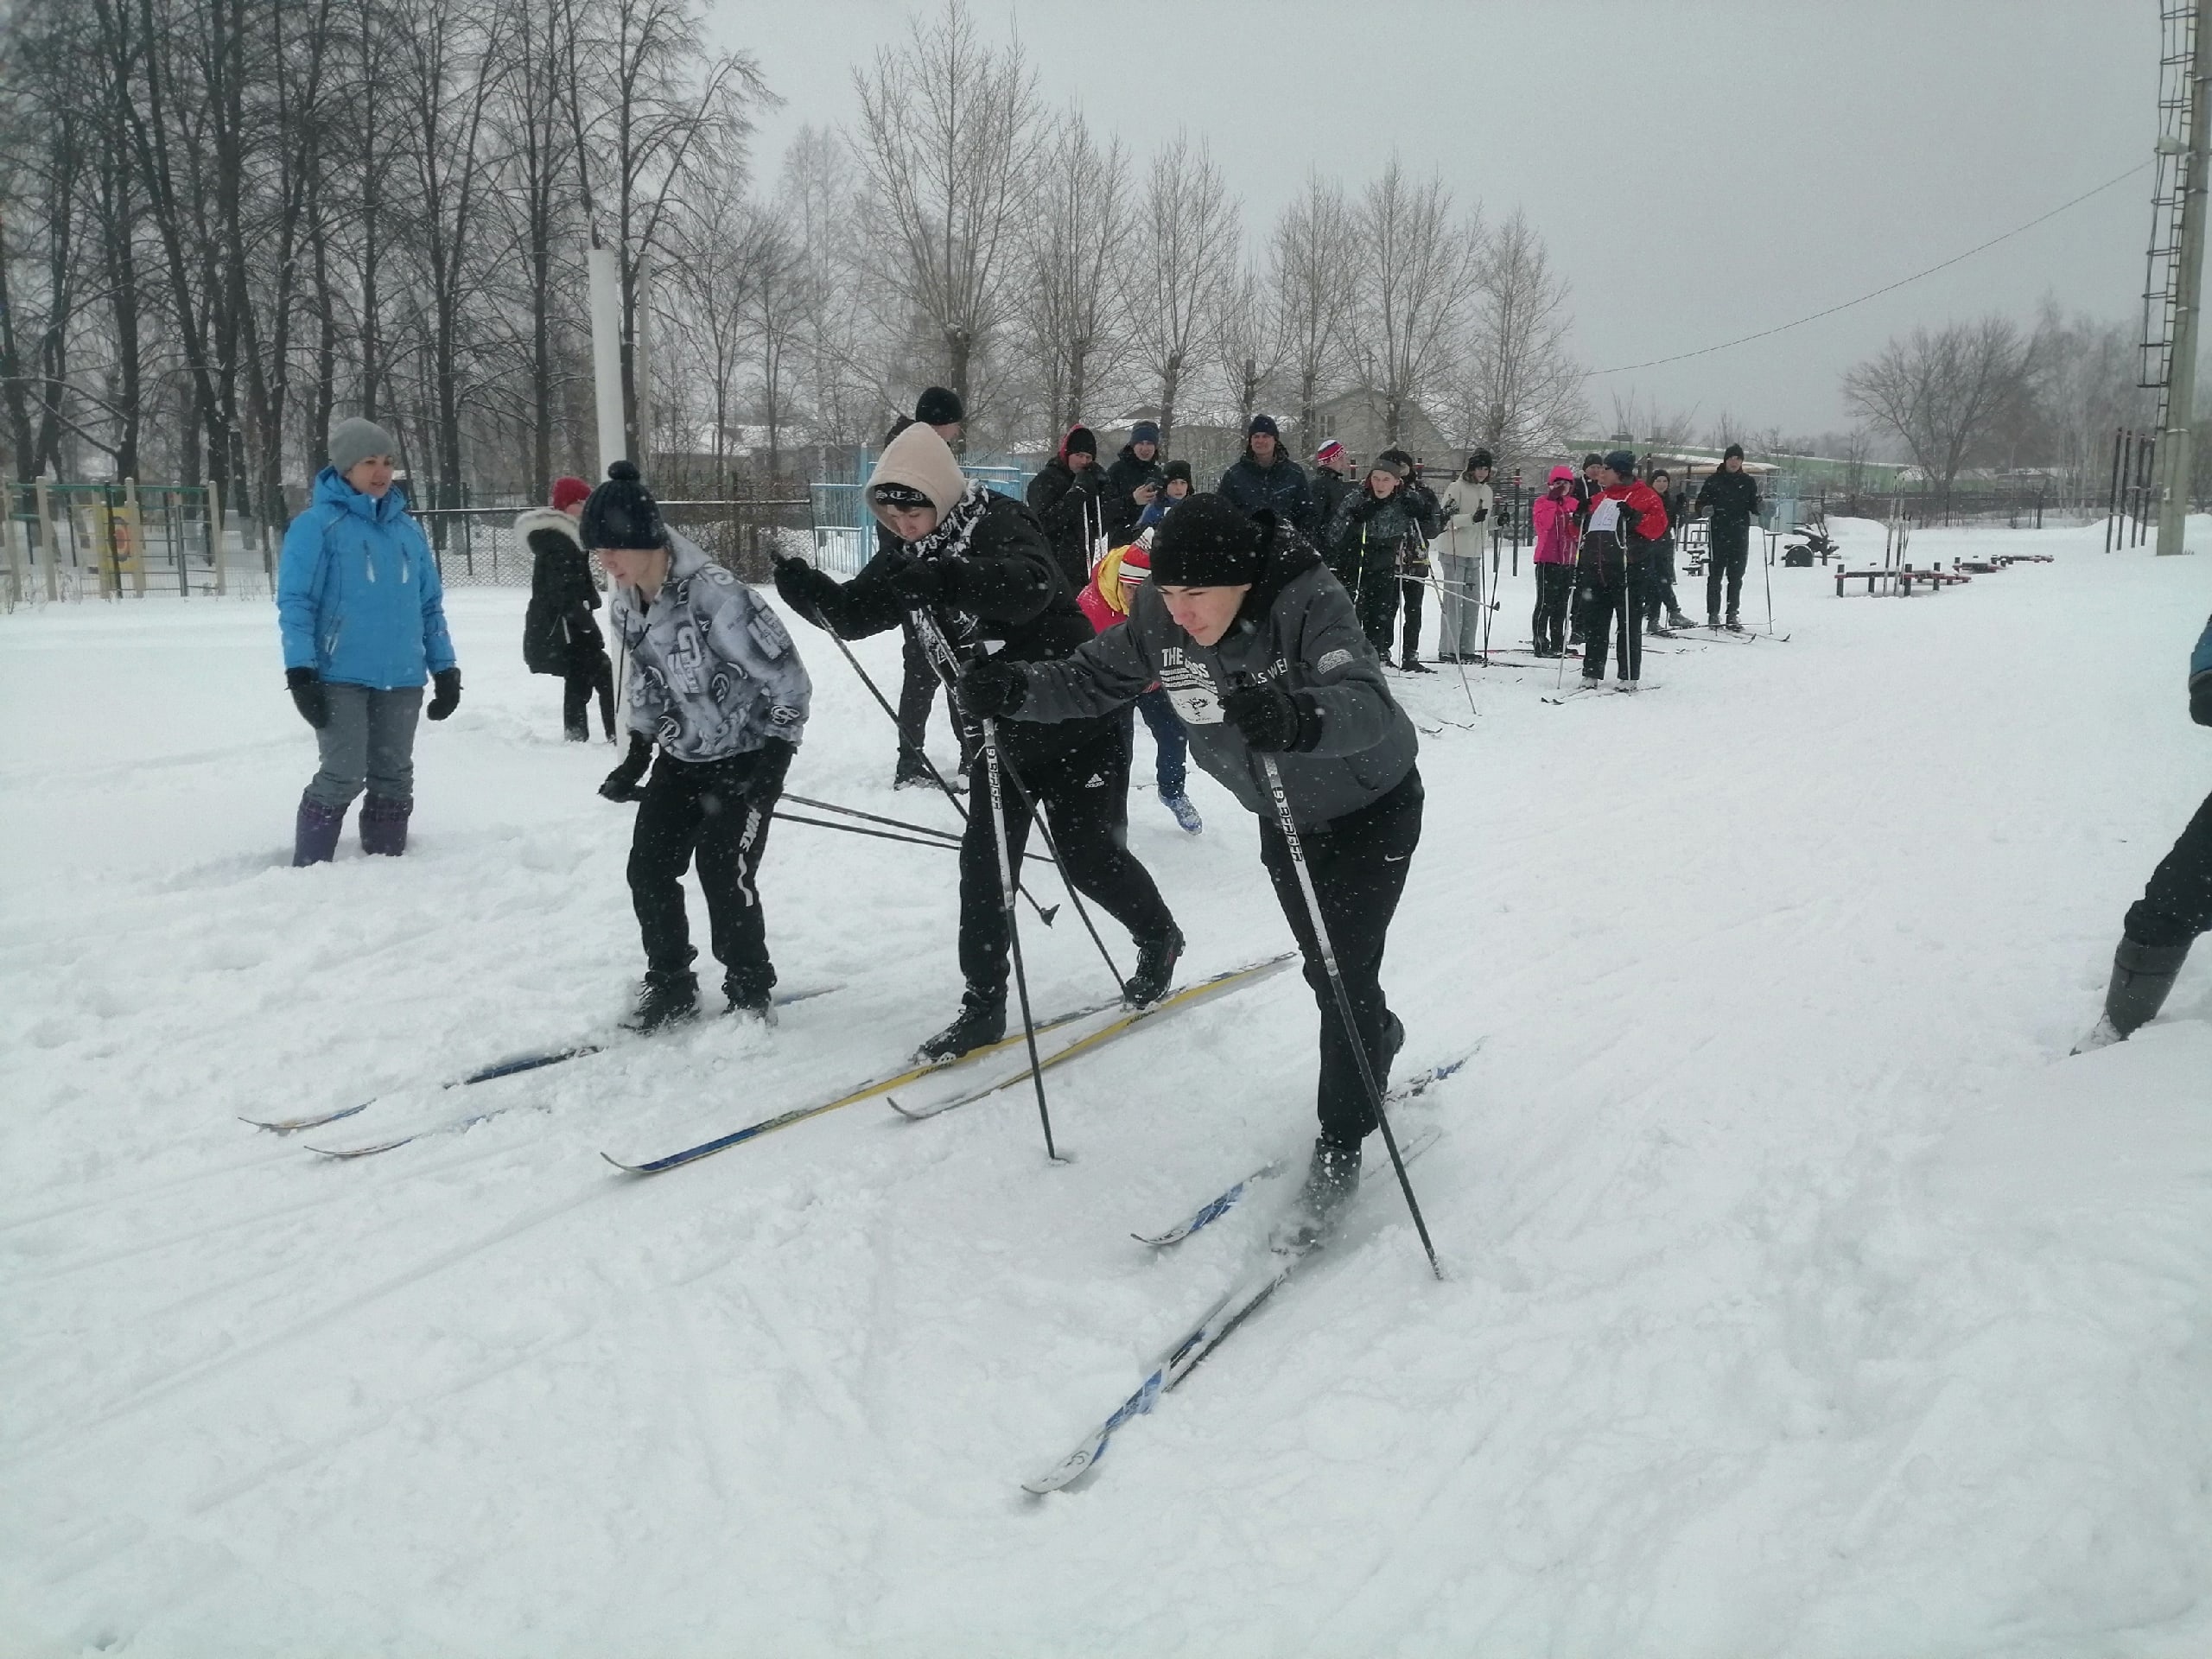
358	594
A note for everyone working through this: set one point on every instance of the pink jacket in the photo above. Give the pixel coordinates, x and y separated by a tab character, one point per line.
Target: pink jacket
1553	515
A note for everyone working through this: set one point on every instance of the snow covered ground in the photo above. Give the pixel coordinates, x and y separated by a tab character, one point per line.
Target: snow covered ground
1804	1300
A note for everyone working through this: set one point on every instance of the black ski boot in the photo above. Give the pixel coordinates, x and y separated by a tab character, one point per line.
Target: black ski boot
981	1021
749	997
1156	969
665	997
1331	1182
2141	976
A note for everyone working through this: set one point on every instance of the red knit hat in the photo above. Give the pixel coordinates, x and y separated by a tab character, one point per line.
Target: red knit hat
1330	451
567	492
1136	565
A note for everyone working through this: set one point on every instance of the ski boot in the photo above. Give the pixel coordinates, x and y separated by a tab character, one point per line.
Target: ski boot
909	776
1187	816
1331	1182
748	996
1155	969
666	997
2141	976
1733	624
1713	621
576	732
981	1022
1678	622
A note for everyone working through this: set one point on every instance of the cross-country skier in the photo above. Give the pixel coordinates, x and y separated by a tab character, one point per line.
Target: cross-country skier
1468	503
1259	647
2176	906
938	408
1626	518
1731	496
972	567
1367	541
1105	600
1586	491
558	633
717	686
1659	585
362	615
1553	514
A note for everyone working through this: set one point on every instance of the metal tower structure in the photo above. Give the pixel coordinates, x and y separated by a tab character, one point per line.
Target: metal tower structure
2173	287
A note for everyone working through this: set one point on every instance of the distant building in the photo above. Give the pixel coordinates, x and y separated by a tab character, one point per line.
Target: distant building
1354	419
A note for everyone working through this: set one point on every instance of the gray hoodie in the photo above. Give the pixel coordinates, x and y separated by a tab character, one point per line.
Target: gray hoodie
1297	627
713	673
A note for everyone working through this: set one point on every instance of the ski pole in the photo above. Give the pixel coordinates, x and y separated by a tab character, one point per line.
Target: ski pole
1767	572
1013	932
1289	828
1045	914
941	843
1458	661
896	823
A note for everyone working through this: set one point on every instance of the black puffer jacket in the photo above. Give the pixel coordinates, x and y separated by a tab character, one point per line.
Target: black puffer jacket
558	633
1371	534
1733	498
1071	507
1279	489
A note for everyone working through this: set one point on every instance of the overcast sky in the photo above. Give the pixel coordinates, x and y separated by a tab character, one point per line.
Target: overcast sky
1699	171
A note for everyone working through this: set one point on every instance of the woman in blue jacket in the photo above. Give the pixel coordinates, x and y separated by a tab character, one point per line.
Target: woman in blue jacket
363	618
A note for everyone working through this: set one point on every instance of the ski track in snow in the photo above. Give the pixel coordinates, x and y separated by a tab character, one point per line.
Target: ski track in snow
1800	1300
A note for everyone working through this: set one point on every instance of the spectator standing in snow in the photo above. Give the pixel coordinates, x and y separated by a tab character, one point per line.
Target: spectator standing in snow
1106	599
1373	528
1069	496
1414	570
939	408
1134	481
1265	478
1586	489
973	568
559	635
1557	522
362	612
1329	485
1468	503
1264	658
1624	520
1177	488
717	687
1731	495
2176	906
1659	584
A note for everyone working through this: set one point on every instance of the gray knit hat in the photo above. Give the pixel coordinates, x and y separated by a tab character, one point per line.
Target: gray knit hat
353	440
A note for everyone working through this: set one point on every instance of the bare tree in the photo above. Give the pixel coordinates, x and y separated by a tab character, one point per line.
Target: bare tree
1941	391
817	201
1183	258
42	160
949	133
1078	228
1252	339
2084	384
1417	271
1524	388
1311	270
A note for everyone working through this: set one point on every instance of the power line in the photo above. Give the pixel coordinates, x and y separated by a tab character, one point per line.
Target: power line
1784	328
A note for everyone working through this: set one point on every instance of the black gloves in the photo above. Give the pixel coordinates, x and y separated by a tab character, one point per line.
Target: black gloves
771	761
1478	515
800	586
2200	699
990	687
1269	717
924	582
621	785
445	693
308	696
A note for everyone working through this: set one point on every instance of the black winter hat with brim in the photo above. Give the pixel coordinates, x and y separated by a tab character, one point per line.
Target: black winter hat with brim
1208	542
622	513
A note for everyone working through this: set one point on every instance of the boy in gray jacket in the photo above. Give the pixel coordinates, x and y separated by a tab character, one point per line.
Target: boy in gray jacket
1262	652
716	683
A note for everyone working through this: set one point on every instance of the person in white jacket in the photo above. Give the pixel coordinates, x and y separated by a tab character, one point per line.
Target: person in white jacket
1468	503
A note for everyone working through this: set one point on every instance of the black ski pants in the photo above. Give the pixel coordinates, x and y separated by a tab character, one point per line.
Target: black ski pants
1659	582
1613	597
1375	600
1410	589
2176	906
1554	593
585	676
695	815
1730	552
917	692
1078	772
1359	863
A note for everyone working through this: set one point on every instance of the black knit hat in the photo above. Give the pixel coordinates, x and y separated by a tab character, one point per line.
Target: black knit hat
1480	458
622	513
1620	462
1208	542
939	406
1733	449
1263	423
1081	441
1594	459
1179	469
898	495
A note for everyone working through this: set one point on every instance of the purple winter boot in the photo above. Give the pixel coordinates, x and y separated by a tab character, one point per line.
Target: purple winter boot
384	825
314	833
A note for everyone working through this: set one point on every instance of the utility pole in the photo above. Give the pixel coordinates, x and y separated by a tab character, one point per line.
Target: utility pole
2176	444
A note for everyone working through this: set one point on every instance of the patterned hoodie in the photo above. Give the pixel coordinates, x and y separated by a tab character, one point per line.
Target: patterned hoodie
713	673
